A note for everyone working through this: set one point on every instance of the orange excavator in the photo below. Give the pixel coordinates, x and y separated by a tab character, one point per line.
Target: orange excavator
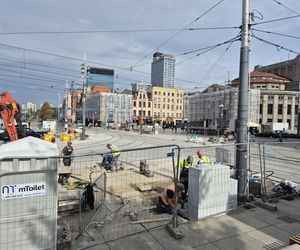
10	115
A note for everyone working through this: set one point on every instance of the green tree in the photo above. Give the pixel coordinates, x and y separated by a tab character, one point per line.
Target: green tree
46	112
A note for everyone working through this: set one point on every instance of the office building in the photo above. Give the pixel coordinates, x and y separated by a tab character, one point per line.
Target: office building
101	77
163	70
289	69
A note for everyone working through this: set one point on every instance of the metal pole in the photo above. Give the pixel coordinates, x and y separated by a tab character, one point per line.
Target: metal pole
83	98
241	156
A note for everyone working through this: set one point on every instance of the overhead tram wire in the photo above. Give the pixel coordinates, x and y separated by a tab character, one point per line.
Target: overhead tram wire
177	33
29	84
38	70
216	62
276	33
80	60
114	31
278	47
286	7
276	20
206	49
34	75
36	64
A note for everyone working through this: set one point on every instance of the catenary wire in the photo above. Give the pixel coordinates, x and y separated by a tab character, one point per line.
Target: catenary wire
286	7
216	62
275	20
178	32
115	31
40	65
278	47
276	33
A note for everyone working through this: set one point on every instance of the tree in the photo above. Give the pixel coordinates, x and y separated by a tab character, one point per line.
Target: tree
46	112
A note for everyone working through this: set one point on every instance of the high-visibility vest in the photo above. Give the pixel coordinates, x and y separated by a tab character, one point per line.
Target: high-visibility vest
184	164
115	150
204	160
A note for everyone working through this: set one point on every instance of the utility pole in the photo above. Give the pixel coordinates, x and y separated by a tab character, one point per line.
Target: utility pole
242	119
84	73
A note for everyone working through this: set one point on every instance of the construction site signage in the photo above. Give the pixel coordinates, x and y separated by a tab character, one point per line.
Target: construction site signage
15	191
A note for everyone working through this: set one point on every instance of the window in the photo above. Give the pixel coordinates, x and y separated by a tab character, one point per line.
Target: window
289	122
144	104
269	120
289	109
260	108
158	105
148	113
149	104
164	106
168	94
163	114
155	93
134	103
164	93
296	109
270	108
140	112
168	107
155	105
154	113
134	112
279	120
280	109
144	113
140	104
172	94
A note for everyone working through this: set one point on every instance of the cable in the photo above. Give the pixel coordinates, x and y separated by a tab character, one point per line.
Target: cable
278	47
284	6
40	65
112	31
207	49
34	76
177	33
29	84
80	60
38	70
275	33
216	62
276	20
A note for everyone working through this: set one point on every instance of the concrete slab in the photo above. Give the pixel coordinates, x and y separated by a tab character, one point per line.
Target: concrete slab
208	246
190	240
220	227
270	237
293	228
241	216
239	242
141	241
269	217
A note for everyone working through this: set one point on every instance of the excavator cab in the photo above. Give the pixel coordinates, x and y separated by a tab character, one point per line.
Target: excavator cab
10	115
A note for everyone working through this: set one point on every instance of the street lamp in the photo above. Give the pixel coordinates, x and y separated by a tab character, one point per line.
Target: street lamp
221	107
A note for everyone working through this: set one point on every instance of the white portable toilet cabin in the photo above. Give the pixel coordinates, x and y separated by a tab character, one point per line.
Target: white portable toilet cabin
28	202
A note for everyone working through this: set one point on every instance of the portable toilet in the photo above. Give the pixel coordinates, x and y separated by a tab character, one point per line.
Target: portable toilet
28	205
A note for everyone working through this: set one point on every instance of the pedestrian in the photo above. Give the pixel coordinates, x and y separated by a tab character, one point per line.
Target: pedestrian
280	136
184	166
67	153
203	159
167	197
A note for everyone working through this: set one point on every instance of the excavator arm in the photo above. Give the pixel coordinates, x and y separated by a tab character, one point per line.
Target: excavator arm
9	112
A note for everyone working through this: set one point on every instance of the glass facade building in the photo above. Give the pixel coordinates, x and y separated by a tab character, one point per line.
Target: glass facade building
163	70
101	77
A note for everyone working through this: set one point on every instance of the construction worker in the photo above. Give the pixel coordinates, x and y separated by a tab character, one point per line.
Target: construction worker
115	155
203	159
184	166
67	152
166	199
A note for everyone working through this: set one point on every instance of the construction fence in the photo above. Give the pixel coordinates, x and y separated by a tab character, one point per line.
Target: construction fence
100	205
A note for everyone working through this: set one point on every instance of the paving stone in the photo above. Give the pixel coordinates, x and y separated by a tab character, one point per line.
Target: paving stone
208	246
220	227
141	241
238	242
269	217
270	236
191	238
249	220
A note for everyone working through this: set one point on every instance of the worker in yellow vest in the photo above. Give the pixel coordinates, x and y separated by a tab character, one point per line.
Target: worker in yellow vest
114	149
203	159
184	166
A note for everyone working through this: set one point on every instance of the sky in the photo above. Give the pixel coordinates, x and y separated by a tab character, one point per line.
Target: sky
154	25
